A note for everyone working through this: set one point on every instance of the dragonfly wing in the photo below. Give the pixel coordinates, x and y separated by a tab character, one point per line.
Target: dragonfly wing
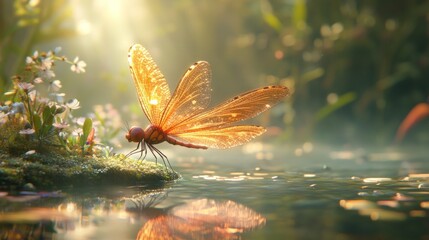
191	96
236	109
152	88
221	138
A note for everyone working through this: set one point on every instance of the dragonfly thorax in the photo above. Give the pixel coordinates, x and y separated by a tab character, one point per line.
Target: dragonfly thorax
154	134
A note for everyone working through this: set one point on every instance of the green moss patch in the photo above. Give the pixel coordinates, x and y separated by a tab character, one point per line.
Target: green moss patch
47	171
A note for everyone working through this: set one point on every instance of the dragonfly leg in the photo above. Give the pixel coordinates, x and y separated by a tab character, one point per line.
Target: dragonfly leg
162	155
134	151
141	148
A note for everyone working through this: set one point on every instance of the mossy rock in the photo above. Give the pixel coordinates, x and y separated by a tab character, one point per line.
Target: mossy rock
49	171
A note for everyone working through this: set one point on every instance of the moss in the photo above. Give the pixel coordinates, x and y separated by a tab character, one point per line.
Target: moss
47	171
53	167
15	143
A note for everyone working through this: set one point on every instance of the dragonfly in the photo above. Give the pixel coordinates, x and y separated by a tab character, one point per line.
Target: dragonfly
183	118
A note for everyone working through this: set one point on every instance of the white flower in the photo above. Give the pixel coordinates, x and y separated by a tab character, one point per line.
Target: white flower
57	50
32	95
47	73
46	64
27	87
73	104
79	121
60	126
31	59
55	85
77	132
78	66
28	131
38	80
63	134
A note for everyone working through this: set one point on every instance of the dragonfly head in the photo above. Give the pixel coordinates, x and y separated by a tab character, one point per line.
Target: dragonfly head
135	134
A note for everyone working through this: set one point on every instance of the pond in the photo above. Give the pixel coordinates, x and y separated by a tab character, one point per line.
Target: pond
255	192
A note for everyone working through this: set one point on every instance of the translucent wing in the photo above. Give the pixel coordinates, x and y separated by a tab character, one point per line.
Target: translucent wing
151	86
191	96
238	108
221	137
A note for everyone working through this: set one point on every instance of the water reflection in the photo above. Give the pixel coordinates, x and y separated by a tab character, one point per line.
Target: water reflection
202	219
383	204
36	223
335	198
22	218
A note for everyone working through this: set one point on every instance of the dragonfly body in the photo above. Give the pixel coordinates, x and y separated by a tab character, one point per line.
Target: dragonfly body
154	135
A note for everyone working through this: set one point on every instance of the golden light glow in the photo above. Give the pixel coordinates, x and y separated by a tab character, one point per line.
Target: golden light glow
83	27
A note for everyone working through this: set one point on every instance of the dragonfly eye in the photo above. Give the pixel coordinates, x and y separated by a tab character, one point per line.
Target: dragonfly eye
135	134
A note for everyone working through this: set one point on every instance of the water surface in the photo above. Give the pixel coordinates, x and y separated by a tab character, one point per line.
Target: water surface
257	192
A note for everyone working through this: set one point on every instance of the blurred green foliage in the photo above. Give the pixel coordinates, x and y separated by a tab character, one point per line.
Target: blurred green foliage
354	68
24	24
370	56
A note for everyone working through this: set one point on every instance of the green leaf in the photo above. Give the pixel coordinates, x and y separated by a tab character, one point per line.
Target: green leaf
312	74
299	14
48	120
87	126
37	122
272	21
48	115
86	129
330	108
269	17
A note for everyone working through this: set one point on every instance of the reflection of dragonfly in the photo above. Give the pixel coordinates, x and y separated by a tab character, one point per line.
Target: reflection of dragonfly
202	219
182	119
143	201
